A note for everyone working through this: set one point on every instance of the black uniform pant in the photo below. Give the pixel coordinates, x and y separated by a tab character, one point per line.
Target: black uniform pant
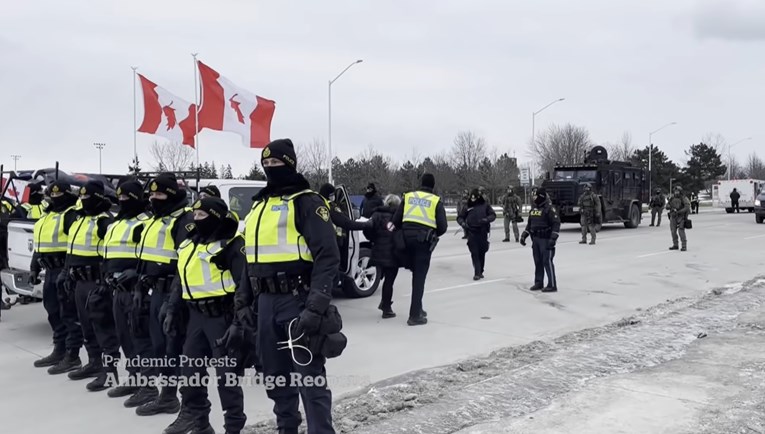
389	278
478	244
419	256
543	262
81	292
100	309
135	347
656	212
275	312
201	333
164	347
62	315
734	204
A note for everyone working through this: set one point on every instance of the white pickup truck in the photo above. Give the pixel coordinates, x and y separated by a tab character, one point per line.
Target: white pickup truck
359	278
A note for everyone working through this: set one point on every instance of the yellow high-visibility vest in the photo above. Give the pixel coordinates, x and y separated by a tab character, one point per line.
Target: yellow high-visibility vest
83	236
270	233
199	277
48	233
118	242
420	207
34	212
157	243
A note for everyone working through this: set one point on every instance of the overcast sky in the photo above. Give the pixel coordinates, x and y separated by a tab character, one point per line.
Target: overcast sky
430	70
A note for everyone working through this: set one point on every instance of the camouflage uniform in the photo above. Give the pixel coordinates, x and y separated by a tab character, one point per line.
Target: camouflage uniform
511	209
589	209
657	206
678	206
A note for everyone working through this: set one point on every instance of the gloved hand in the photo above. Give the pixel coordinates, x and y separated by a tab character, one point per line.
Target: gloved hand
233	339
34	278
523	238
308	322
246	317
163	312
551	244
138	298
169	326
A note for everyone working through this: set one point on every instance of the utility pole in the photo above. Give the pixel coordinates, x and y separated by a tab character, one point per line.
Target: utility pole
100	147
16	158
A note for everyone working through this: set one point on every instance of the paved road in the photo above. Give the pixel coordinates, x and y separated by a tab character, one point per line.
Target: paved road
628	269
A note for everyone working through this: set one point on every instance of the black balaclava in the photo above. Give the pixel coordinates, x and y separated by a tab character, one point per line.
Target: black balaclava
35	194
428	181
371	190
328	192
475	198
95	191
216	209
135	203
541	197
168	184
63	201
284	151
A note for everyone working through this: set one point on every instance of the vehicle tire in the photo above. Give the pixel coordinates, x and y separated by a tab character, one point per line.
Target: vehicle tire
759	218
751	209
634	220
729	210
365	280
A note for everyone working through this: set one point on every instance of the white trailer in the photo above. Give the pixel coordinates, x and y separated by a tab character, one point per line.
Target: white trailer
749	189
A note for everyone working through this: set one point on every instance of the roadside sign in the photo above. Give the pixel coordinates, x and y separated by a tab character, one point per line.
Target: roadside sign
525	177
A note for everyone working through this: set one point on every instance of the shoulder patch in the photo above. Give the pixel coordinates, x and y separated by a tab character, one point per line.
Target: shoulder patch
190	227
323	212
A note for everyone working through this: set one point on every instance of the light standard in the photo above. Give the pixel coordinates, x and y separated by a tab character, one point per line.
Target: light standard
730	160
16	158
650	153
670	184
100	147
533	128
330	115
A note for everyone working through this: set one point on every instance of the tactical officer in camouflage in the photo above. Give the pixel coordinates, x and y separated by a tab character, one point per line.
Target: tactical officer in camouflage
589	210
678	206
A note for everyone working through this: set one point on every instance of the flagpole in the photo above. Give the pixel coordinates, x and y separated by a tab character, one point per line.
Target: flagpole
196	112
135	128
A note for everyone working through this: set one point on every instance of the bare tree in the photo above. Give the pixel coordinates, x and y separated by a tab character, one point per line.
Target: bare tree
715	140
561	145
755	168
314	161
622	151
467	154
737	171
171	156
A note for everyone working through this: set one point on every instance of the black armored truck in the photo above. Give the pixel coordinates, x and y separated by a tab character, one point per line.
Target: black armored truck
621	187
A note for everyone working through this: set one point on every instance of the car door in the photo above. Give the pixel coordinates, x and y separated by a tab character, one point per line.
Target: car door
347	240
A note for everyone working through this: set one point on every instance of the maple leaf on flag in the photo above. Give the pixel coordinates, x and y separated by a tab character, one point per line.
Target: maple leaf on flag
235	105
170	114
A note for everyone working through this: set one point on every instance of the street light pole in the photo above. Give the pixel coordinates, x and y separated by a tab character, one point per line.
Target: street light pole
730	159
650	155
100	147
533	129
329	111
15	159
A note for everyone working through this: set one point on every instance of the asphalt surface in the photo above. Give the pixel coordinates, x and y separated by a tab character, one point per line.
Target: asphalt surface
628	269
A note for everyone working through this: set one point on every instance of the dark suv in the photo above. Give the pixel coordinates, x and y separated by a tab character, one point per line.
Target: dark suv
759	208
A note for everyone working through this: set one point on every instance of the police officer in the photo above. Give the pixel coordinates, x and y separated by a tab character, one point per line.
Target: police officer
657	206
678	206
292	259
34	208
694	203
476	218
544	228
511	209
120	274
157	251
338	217
50	246
209	191
589	210
372	200
422	218
82	280
211	264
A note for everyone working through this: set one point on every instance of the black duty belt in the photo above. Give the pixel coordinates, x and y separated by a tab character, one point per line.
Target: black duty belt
213	306
86	273
52	262
161	284
541	233
282	283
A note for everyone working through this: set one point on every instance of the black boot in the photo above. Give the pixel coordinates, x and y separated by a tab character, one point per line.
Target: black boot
70	362
51	359
124	389
536	287
144	395
106	378
206	430
183	424
415	321
92	369
166	402
387	312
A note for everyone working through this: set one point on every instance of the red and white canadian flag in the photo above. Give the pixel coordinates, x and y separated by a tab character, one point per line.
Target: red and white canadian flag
228	107
167	115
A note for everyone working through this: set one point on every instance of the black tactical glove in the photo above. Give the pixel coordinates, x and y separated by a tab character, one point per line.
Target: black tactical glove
169	326
233	339
64	284
246	317
523	238
309	319
163	310
138	319
34	278
551	244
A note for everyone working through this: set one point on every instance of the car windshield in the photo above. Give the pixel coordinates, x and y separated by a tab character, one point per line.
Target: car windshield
578	175
240	199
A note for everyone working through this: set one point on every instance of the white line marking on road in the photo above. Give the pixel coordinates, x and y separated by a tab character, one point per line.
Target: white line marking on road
482	282
654	254
757	236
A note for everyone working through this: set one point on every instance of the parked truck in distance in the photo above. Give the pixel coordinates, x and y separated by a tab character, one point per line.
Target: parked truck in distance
749	189
621	187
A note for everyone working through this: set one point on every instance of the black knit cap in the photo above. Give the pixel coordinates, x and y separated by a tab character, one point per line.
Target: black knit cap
211	190
213	206
541	192
283	150
164	183
133	189
59	187
428	180
371	186
35	188
93	188
326	190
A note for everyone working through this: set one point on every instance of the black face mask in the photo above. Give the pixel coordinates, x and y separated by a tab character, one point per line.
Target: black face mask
207	226
279	176
35	199
91	203
131	207
161	207
540	200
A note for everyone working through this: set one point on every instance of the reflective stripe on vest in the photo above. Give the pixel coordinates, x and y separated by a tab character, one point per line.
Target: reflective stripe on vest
271	235
48	233
84	239
199	277
34	212
118	242
157	243
420	207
